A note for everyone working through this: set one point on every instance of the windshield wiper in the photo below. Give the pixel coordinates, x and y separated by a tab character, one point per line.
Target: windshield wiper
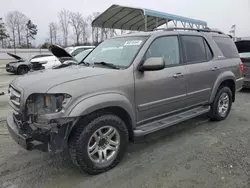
110	65
84	63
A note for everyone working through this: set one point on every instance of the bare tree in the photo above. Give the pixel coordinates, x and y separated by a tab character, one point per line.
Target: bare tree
107	33
53	28
50	33
64	24
31	30
3	33
21	21
77	23
11	24
55	31
16	22
96	32
85	32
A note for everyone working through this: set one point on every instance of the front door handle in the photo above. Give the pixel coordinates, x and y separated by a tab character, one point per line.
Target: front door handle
178	75
215	68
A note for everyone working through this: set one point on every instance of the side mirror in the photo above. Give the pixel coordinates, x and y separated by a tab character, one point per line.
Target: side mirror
153	64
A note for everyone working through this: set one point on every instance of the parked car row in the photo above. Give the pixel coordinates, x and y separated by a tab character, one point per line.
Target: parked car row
77	54
42	61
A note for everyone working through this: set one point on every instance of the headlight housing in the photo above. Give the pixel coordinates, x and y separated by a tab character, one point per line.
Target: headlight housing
42	104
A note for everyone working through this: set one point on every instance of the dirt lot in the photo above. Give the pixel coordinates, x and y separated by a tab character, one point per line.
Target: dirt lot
197	153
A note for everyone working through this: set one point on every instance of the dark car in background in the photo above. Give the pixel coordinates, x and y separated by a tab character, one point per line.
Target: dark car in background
20	65
243	47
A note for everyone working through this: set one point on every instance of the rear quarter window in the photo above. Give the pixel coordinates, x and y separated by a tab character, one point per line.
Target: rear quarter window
227	47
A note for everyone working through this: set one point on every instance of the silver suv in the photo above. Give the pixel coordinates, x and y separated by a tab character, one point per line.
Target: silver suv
127	87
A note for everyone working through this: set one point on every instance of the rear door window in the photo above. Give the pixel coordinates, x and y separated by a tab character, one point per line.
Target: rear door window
227	47
195	49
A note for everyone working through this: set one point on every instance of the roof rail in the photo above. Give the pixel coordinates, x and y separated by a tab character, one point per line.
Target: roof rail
189	29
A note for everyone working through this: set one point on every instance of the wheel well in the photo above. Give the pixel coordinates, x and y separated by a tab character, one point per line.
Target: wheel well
23	66
120	112
231	84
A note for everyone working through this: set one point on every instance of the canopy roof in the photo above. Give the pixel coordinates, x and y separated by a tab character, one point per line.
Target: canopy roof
129	18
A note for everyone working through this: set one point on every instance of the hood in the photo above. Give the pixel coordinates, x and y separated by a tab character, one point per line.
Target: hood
243	46
18	63
60	53
42	81
15	56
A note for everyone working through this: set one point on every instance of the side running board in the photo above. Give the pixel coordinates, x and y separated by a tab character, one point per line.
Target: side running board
171	120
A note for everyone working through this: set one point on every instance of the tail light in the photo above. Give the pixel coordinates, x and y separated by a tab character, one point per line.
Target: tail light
241	67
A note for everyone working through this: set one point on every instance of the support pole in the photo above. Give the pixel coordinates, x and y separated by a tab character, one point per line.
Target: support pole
156	22
146	22
93	35
166	23
175	23
183	24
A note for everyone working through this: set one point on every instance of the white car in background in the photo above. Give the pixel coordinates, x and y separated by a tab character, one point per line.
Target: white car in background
52	61
74	50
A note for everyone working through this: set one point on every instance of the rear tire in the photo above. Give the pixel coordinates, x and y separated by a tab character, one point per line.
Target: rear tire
22	70
92	135
222	104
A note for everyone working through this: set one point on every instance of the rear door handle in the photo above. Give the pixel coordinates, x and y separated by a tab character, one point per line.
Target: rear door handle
178	75
215	68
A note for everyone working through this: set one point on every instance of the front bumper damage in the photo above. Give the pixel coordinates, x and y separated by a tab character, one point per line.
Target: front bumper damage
52	138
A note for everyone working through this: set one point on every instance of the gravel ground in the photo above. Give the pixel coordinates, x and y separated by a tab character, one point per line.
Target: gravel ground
197	153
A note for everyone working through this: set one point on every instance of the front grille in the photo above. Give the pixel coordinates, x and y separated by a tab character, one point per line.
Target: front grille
15	96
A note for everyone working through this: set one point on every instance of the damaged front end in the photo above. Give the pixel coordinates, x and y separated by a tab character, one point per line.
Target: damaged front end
42	125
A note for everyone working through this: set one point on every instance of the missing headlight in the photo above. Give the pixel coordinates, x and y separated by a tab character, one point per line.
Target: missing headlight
41	104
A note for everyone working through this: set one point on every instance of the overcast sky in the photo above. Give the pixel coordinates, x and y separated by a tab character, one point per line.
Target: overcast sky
221	14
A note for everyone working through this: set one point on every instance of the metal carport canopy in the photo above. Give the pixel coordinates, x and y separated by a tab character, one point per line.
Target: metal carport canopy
129	18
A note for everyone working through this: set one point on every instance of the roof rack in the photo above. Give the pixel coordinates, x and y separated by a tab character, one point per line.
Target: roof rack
189	29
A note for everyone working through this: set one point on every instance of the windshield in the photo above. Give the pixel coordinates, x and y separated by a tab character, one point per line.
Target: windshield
118	51
245	55
79	57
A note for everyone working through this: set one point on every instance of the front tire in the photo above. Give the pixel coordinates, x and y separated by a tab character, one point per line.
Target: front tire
221	105
22	70
99	145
